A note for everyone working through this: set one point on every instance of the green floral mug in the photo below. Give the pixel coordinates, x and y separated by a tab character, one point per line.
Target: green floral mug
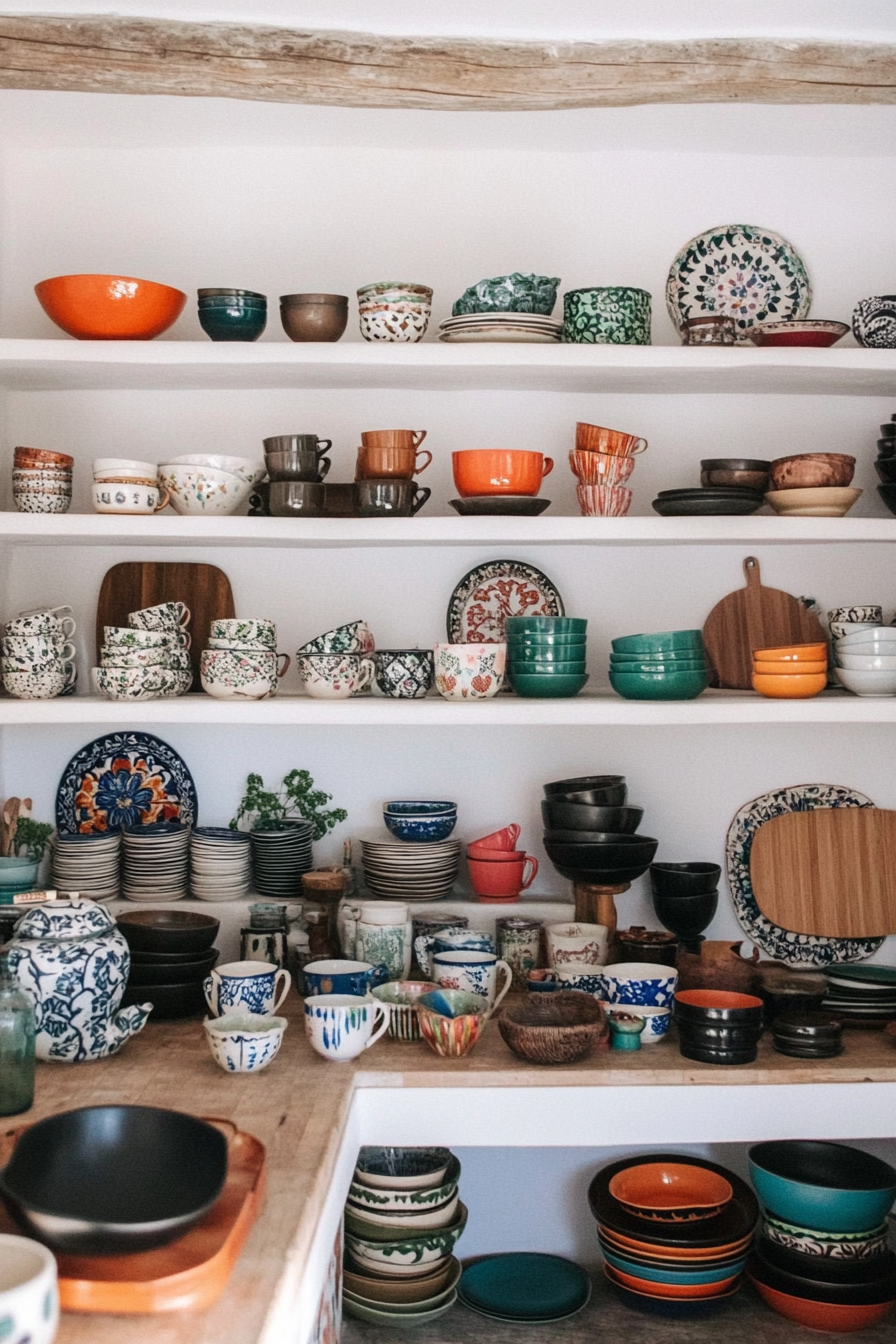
606	315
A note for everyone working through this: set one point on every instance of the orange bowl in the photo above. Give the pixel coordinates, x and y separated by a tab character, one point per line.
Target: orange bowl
499	471
650	1250
110	307
794	686
669	1290
831	1317
770	669
793	653
670	1187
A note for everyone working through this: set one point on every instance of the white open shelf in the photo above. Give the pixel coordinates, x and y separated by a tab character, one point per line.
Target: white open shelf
589	709
59	365
90	529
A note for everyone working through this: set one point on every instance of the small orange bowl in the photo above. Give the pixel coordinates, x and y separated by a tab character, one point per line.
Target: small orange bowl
110	307
677	1189
793	653
828	1317
772	669
685	1254
794	686
670	1291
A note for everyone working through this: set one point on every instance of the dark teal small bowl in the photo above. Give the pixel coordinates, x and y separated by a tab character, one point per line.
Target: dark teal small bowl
549	657
545	625
658	686
233	323
662	642
558	687
658	668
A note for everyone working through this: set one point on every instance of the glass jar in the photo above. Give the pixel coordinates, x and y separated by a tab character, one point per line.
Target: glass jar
16	1044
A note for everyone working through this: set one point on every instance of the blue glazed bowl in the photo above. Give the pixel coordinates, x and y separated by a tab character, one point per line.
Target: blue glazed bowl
674	1276
233	322
639	984
420	822
828	1186
344	977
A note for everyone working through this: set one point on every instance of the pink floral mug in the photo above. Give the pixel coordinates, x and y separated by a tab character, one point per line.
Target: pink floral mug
334	676
469	671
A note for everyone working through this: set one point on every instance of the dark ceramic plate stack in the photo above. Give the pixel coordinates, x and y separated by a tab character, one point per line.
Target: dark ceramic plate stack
717	1027
862	996
171	954
885	466
808	1035
679	1254
685	898
710	501
281	853
822	1259
590	832
524	1287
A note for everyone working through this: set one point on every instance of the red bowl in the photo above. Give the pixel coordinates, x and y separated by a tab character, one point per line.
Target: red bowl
831	1318
110	307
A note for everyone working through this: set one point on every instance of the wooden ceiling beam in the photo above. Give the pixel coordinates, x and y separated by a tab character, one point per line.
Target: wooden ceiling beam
113	54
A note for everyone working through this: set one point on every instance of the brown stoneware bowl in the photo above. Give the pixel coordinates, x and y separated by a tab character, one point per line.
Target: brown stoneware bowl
553	1028
314	317
749	473
807	470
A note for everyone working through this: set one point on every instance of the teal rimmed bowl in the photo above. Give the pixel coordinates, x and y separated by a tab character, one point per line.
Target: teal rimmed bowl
553	625
663	642
659	686
829	1186
669	656
546	655
558	687
659	668
564	668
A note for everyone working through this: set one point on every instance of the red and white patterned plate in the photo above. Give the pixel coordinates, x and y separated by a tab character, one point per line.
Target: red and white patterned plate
484	598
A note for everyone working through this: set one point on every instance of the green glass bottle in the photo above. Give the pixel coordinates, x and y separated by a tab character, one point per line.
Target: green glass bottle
16	1044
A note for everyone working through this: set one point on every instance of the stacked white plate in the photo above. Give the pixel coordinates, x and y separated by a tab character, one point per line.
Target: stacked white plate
156	862
279	858
220	863
88	864
397	869
526	327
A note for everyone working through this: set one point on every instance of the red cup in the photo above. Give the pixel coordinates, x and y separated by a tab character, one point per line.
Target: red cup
600	468
597	439
499	471
502	879
505	839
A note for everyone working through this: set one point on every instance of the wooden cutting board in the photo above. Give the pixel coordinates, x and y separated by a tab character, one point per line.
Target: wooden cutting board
204	589
830	872
753	618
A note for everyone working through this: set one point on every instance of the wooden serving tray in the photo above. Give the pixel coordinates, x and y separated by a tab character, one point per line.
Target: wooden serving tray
754	617
186	1275
829	872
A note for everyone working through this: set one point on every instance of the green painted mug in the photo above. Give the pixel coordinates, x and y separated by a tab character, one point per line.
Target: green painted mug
606	315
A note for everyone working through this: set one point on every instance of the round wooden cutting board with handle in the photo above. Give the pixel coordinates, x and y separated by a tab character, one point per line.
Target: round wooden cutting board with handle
755	617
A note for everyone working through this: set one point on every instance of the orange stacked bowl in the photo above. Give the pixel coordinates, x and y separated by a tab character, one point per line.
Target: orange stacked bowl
792	672
602	462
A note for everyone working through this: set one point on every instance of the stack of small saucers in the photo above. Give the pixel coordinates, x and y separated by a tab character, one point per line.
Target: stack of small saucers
707	501
816	1197
220	864
546	655
156	861
865	658
675	1232
808	1035
87	864
403	1217
410	871
281	853
527	328
667	666
862	996
792	672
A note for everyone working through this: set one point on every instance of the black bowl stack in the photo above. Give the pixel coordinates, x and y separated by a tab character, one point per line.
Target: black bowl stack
590	833
717	1027
685	898
171	954
808	1035
885	466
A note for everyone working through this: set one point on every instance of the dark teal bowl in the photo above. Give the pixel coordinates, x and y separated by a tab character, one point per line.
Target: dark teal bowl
828	1186
546	657
558	687
236	323
663	642
670	657
570	667
546	641
545	625
658	686
658	668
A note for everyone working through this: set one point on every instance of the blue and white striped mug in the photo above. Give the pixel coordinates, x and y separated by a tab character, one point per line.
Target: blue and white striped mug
343	1026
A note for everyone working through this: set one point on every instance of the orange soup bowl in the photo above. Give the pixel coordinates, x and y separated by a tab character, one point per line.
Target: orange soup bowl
673	1191
788	669
793	653
110	307
791	686
499	471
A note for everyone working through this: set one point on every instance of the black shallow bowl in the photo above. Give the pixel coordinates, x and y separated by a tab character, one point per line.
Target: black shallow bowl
168	930
687	916
607	851
734	464
614	795
888	495
822	1270
186	972
737	1219
837	1294
717	1008
560	836
168	1001
112	1180
581	783
586	817
173	960
684	879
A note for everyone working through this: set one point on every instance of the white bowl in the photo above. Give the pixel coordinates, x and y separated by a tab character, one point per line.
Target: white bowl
244	467
883	633
244	1042
29	1295
840	629
203	490
867	683
872	647
867	662
124	466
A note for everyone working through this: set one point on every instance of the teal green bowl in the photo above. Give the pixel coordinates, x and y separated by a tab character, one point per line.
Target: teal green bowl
829	1186
664	642
546	657
548	625
659	668
659	686
546	641
669	656
551	688
573	668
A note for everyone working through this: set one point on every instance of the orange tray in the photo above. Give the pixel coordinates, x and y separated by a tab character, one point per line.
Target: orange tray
186	1275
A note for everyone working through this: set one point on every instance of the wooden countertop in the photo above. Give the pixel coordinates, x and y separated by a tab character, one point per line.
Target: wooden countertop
299	1106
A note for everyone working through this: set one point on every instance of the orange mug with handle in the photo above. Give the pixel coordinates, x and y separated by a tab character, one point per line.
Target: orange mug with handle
499	471
596	439
383	464
392	438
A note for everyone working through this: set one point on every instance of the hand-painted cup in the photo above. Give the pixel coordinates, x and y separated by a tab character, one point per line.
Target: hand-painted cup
340	976
29	1294
37	649
402	674
473	972
451	1020
244	1042
334	676
342	1026
56	626
129	497
174	616
600	468
393	438
604	501
386	944
597	439
127	636
380	464
499	471
580	975
228	674
400	997
502	879
245	986
449	940
581	944
519	944
237	631
297	443
469	671
504	839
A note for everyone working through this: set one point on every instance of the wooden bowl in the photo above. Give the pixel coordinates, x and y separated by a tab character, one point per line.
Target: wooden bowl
802	471
553	1028
314	317
110	307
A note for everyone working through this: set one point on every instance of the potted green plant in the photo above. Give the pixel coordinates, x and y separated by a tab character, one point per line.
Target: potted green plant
282	823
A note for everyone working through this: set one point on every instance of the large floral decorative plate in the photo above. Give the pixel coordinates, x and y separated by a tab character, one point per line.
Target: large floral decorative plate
739	270
795	949
124	779
484	598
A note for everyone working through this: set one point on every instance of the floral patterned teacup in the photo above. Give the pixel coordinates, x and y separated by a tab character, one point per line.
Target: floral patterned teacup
238	631
135	683
245	986
473	972
469	671
173	616
231	674
127	637
334	676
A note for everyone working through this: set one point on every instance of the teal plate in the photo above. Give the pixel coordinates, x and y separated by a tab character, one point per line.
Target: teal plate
525	1286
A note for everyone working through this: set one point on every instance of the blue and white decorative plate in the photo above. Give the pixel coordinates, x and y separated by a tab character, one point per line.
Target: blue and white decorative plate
739	270
795	949
124	779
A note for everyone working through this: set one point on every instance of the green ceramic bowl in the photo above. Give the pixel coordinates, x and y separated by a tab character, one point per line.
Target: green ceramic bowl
574	668
659	667
658	686
668	656
546	641
554	688
545	658
545	625
663	642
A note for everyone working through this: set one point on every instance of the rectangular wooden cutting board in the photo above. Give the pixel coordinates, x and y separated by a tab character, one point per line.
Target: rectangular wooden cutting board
829	872
204	589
